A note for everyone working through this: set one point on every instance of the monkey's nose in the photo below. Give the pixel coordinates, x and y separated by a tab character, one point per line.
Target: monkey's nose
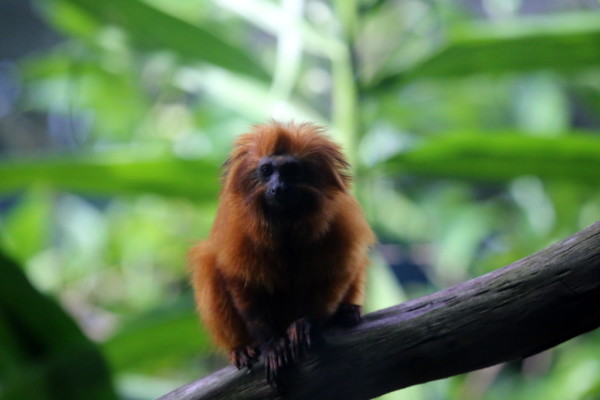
279	190
279	194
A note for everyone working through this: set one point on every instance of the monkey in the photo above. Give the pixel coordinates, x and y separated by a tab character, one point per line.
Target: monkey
288	250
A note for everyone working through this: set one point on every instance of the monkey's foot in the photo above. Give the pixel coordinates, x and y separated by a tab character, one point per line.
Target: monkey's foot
346	316
243	356
277	356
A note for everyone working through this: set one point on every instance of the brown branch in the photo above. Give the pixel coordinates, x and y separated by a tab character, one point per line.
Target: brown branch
519	310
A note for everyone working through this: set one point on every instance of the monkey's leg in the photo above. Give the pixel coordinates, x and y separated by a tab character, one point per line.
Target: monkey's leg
348	313
223	319
346	316
217	309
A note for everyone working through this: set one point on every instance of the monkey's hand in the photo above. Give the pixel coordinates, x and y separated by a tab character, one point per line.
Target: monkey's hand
346	316
243	356
280	353
276	354
302	336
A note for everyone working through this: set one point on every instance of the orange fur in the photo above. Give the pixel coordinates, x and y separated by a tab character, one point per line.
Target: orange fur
257	273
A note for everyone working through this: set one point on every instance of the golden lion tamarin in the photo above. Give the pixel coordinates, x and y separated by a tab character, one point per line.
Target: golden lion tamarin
288	249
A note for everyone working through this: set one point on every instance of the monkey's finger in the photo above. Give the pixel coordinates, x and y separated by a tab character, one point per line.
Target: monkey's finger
268	372
294	351
307	335
272	372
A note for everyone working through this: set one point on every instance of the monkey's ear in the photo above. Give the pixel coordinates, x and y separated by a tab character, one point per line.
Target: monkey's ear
342	176
225	167
336	169
340	167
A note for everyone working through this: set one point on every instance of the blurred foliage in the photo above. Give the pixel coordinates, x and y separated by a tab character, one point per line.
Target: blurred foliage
472	127
45	355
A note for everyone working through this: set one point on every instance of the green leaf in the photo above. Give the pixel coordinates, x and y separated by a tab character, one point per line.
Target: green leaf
160	338
500	157
115	173
151	29
556	43
27	225
44	354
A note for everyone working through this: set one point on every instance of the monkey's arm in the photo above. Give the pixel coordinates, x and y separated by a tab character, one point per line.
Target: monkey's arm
215	301
254	306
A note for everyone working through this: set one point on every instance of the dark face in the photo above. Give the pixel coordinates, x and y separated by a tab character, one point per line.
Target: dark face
287	185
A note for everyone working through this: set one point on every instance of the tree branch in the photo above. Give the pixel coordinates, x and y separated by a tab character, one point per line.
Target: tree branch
516	311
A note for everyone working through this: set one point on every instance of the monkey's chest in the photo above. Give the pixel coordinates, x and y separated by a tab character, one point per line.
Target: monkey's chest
295	283
284	307
297	292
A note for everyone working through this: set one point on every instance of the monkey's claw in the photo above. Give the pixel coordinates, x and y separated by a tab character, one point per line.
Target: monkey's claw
300	336
243	356
276	355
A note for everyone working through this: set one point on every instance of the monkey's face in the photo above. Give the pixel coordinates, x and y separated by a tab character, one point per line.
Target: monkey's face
288	185
286	174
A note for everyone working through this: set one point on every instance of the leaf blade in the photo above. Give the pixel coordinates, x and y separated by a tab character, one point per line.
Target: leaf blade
112	173
563	43
503	156
188	41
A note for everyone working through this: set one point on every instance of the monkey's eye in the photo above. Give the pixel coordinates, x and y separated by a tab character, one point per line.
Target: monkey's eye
266	170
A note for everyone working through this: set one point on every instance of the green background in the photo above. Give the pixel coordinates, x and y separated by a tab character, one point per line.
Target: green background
472	126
